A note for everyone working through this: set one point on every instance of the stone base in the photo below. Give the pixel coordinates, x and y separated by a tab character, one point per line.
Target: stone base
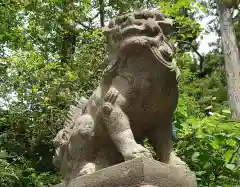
140	172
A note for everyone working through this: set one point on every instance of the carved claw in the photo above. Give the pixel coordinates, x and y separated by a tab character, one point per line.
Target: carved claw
111	95
136	152
107	108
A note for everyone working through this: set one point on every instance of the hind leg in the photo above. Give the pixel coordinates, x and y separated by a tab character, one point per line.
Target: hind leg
161	138
176	161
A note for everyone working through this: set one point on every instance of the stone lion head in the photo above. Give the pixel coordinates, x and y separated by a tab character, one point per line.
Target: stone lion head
145	28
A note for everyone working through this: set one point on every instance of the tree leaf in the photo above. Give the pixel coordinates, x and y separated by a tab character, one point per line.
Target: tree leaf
195	156
230	166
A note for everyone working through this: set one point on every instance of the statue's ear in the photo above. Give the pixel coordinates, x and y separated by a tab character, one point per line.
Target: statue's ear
166	25
107	29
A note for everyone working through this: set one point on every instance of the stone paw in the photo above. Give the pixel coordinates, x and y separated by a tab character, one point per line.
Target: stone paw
177	162
107	108
137	151
111	95
87	169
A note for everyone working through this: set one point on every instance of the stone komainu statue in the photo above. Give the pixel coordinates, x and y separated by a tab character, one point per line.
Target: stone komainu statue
135	99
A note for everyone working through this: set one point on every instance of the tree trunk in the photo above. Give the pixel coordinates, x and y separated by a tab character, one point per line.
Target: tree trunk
68	46
101	12
68	36
231	56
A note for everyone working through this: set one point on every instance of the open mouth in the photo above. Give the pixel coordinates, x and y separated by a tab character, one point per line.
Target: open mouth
136	37
139	35
139	30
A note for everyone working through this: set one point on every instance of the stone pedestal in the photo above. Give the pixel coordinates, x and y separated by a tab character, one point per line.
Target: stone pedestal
140	172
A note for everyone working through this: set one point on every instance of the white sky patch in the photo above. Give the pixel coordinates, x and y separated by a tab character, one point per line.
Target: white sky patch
11	97
207	38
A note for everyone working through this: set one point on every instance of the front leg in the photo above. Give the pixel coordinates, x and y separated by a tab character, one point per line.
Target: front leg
118	126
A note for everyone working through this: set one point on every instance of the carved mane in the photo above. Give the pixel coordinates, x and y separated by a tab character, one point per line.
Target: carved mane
75	111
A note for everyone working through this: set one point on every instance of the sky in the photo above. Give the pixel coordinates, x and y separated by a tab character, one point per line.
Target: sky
211	37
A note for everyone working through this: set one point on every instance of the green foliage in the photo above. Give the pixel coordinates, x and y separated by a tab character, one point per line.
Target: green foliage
211	146
40	78
187	29
56	55
22	175
43	91
11	26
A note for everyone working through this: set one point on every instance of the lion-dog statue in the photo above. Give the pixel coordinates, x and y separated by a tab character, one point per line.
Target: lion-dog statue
135	99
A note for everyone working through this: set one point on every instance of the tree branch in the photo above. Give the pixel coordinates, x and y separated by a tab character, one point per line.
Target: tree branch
201	57
89	20
101	11
85	26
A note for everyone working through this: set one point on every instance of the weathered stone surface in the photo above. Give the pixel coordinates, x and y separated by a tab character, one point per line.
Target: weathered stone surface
134	100
139	172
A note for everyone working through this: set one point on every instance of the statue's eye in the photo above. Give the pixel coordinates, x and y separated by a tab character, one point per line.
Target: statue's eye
144	15
121	19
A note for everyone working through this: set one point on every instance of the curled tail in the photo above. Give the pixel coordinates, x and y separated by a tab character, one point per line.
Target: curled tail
75	111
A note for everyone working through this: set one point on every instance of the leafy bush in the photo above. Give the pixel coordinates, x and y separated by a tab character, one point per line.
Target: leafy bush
211	147
22	175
